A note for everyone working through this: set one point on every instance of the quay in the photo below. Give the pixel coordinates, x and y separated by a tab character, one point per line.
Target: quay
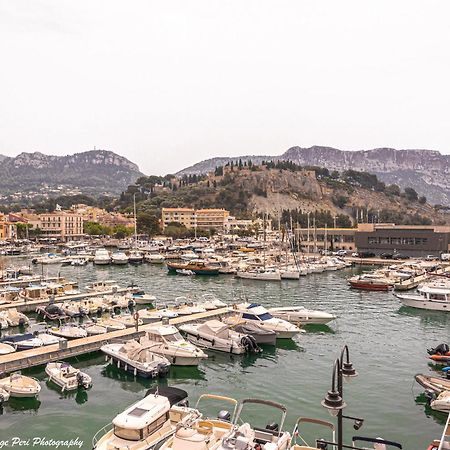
31	305
68	349
25	283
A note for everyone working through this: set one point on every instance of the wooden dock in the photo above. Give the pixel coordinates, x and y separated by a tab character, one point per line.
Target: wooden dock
31	305
48	353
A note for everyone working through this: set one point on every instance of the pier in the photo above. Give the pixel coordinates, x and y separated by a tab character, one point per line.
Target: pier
68	349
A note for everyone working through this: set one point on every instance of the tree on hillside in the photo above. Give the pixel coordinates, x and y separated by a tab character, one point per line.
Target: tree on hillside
392	189
411	194
422	200
147	223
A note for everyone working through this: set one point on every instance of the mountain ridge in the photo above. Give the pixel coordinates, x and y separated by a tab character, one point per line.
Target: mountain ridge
428	171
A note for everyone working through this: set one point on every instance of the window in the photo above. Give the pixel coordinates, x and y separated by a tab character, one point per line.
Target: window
265	316
372	240
125	433
249	316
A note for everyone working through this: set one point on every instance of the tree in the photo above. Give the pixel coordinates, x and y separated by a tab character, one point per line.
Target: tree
422	200
219	171
148	223
340	201
411	194
392	189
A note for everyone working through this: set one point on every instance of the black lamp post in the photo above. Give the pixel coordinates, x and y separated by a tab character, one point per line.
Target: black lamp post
334	401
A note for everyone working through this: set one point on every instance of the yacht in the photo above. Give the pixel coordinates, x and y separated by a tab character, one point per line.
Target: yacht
148	422
254	312
135	257
102	257
260	274
435	297
17	385
67	377
299	314
167	341
137	358
216	335
119	258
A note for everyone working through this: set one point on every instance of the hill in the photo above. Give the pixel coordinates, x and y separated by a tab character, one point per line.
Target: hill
427	170
94	172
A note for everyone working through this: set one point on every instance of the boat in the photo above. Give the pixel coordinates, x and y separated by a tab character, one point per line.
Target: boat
119	302
259	332
256	312
94	329
40	331
15	318
119	258
443	443
102	257
102	286
434	298
4	396
3	322
168	342
198	267
299	314
435	384
137	358
6	349
22	341
296	434
150	315
441	402
141	298
129	320
185	307
148	422
154	258
245	436
73	309
205	433
110	324
135	257
68	331
216	335
290	273
78	262
210	302
17	385
51	312
370	282
67	377
186	272
260	274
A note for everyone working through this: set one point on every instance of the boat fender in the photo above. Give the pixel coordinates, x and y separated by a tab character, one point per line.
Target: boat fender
136	316
135	371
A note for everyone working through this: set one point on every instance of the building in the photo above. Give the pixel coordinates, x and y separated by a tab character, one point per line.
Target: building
333	239
410	240
63	226
233	225
202	219
8	229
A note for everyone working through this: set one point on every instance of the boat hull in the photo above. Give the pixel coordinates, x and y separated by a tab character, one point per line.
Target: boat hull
366	286
421	303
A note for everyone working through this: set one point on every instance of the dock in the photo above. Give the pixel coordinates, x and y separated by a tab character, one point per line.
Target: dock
57	352
31	305
24	283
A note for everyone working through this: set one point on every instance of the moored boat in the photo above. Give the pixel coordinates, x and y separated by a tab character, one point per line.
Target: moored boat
67	377
17	385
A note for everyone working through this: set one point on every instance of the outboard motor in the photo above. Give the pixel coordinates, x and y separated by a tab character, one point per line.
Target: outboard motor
320	444
441	349
82	381
272	426
224	415
184	403
250	345
430	395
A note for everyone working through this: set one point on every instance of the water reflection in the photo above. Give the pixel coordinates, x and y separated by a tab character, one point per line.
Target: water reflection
24	405
80	395
429	318
438	416
318	328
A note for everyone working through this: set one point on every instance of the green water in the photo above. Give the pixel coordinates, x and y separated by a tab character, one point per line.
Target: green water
387	345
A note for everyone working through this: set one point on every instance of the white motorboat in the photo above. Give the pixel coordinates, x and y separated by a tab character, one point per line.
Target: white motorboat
68	331
148	422
141	298
290	273
210	302
185	307
154	258
15	318
102	257
110	324
23	341
261	334
255	312
119	258
67	377
40	331
17	385
93	329
135	257
259	274
102	286
167	341
205	433
297	433
6	349
137	358
119	301
73	309
431	297
441	402
247	436
299	314
150	315
216	335
128	320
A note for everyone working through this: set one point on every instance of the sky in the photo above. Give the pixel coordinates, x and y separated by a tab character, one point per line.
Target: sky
169	83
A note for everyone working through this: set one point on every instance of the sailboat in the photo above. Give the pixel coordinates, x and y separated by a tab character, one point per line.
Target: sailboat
135	256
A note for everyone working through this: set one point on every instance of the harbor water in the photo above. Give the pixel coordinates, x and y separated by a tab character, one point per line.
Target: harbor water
387	346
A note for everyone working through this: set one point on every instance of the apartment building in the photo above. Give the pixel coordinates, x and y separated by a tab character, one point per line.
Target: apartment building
63	226
8	229
203	219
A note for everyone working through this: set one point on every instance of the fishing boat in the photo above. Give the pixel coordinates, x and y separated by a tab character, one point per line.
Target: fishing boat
299	314
246	436
205	433
167	341
216	335
255	312
17	385
434	298
68	331
119	258
137	358
67	377
435	384
102	257
148	422
6	349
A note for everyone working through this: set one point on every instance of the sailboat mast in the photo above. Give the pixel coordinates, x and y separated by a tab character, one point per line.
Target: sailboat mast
135	220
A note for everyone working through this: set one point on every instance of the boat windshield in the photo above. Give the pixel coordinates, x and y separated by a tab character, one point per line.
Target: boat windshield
128	434
265	316
173	337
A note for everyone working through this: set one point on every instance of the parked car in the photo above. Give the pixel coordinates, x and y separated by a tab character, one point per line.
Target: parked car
364	255
399	256
431	258
341	253
386	255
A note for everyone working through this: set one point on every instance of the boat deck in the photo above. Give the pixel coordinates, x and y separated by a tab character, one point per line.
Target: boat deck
56	352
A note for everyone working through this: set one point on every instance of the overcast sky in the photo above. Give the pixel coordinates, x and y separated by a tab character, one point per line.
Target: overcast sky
168	83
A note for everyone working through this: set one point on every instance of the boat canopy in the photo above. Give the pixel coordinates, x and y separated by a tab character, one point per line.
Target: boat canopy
214	327
173	394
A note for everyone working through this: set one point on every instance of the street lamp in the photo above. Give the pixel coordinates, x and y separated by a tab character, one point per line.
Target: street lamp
334	401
